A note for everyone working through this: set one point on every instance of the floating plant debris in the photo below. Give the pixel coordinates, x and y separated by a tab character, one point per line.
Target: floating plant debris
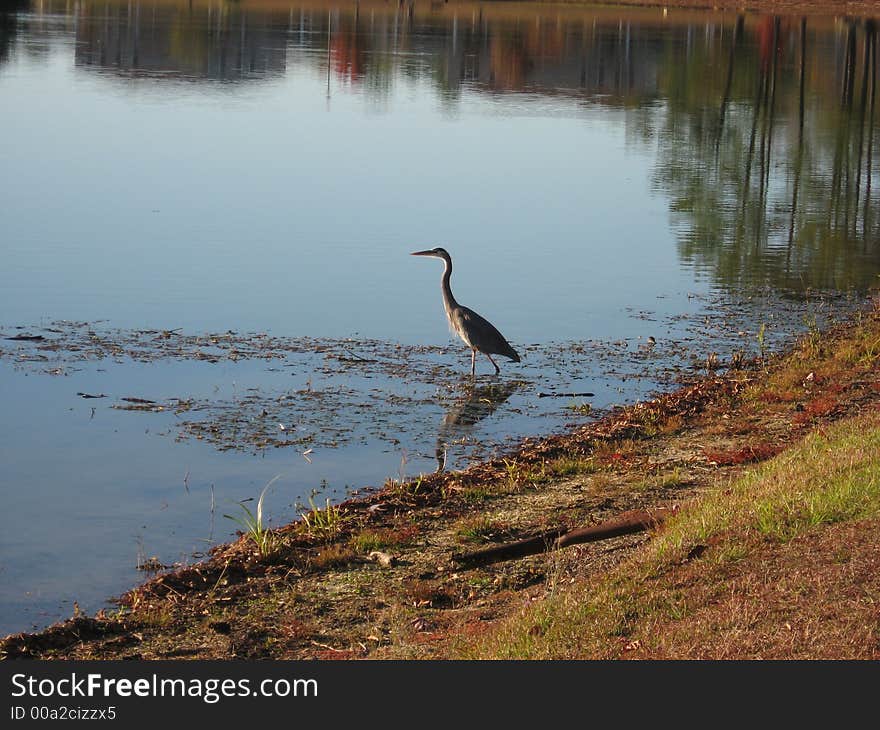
330	393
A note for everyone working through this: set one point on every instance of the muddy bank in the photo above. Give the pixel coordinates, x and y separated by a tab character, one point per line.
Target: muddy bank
379	575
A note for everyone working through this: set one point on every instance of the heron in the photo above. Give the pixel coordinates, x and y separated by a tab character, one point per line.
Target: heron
477	332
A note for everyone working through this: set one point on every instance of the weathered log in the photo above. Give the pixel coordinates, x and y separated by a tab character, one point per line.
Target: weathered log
625	524
518	549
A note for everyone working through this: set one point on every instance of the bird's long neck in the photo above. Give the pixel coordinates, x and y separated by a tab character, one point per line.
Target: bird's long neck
449	302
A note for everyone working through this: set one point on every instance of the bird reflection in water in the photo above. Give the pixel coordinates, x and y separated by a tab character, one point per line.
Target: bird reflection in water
476	403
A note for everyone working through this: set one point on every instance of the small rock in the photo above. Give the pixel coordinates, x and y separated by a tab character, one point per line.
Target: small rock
384	559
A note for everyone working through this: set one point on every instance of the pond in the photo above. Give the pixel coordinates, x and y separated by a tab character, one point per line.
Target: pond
208	209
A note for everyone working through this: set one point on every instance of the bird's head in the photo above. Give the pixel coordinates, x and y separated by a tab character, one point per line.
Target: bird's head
437	253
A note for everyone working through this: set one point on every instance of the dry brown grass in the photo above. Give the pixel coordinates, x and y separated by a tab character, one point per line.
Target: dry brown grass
814	597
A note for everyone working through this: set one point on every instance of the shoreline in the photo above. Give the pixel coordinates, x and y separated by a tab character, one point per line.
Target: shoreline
379	575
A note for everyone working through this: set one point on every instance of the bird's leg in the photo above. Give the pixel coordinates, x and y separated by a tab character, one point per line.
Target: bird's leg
497	369
473	362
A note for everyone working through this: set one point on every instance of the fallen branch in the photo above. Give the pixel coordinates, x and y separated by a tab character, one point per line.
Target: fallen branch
627	523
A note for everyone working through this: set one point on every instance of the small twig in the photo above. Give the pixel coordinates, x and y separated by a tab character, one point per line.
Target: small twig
354	357
566	395
222	573
211	535
326	646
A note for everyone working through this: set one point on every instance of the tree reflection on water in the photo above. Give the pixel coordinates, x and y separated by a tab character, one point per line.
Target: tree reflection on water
762	126
773	182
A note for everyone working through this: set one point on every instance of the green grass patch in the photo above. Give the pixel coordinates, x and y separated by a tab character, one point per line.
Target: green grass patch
324	522
479	494
569	466
664	480
830	477
518	476
251	522
383	538
480	528
403	488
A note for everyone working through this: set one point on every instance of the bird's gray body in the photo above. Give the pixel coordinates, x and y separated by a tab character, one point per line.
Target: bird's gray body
478	333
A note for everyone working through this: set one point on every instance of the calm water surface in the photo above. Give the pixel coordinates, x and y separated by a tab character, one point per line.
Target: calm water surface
178	169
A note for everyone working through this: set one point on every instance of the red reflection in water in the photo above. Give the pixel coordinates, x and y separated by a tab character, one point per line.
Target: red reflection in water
348	51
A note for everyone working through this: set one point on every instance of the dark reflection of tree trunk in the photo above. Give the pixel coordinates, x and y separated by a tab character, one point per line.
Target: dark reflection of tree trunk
747	178
9	26
329	48
772	107
763	140
863	108
767	134
737	31
839	168
837	175
849	65
851	42
800	149
871	30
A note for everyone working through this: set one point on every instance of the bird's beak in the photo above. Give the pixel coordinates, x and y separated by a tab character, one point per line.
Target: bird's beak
429	252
